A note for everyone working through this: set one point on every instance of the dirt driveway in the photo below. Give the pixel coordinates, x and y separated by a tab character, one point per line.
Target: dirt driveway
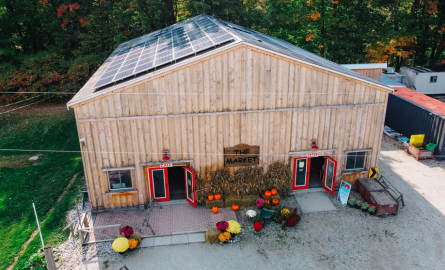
342	239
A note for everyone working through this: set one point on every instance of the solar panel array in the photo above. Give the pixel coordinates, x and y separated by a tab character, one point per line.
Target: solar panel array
163	47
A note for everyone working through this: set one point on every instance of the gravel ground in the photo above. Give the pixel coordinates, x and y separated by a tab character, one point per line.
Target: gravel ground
344	239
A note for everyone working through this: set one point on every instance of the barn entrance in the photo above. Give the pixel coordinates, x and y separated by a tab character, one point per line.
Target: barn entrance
314	172
172	182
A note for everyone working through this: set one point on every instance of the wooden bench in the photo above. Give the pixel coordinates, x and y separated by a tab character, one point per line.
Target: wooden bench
374	193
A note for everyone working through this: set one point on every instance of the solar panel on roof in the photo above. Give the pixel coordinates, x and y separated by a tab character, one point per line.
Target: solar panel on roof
163	47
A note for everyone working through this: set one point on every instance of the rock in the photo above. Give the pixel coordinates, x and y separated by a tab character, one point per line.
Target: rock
212	235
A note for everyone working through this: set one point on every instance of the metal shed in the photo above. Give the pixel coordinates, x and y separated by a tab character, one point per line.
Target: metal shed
410	113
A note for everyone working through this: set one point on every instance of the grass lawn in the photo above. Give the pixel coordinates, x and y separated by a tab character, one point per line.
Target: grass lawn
22	182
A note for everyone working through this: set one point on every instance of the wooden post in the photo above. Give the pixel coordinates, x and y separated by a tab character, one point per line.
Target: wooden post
49	256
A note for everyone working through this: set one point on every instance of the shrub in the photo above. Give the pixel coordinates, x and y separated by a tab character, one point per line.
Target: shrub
257	218
364	206
372	209
37	261
258	226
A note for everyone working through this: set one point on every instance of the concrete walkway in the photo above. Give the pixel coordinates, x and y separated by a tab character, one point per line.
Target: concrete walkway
170	220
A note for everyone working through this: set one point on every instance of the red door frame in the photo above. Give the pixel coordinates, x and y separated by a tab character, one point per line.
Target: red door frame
167	193
187	169
308	166
331	191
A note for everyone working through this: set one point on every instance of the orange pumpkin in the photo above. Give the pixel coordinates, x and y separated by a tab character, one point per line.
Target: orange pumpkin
267	193
274	192
275	201
266	202
215	210
217	196
235	207
210	197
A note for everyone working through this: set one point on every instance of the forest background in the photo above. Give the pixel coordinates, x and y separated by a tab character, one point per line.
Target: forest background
56	45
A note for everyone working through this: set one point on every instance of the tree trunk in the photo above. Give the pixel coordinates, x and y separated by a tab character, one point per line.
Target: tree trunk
171	10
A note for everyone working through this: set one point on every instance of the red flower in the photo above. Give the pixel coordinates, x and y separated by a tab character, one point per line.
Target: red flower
127	230
222	225
258	226
81	20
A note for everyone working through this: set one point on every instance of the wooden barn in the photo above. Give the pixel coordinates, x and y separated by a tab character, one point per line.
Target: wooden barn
205	94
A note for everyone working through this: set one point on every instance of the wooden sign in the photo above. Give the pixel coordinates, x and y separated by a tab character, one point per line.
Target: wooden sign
241	155
311	155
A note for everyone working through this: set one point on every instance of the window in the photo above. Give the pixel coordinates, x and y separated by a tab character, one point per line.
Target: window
355	161
433	79
119	180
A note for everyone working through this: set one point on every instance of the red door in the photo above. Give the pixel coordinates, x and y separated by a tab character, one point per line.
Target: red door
190	194
330	170
301	173
159	184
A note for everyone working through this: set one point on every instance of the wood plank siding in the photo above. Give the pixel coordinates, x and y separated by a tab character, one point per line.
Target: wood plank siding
242	95
373	73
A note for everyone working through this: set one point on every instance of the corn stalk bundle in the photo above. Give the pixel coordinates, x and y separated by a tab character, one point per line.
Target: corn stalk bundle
247	181
221	182
200	188
278	176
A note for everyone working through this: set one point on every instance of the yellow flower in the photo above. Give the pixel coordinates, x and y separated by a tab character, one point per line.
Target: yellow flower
224	237
285	212
132	243
120	244
234	227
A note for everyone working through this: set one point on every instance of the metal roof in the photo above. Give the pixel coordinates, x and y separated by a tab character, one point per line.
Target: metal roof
241	36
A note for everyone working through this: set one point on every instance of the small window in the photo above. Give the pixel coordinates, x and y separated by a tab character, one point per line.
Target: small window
356	161
433	79
120	180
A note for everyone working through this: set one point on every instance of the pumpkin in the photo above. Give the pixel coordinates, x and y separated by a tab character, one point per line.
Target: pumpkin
210	197
235	207
267	193
217	196
274	192
215	210
266	202
275	201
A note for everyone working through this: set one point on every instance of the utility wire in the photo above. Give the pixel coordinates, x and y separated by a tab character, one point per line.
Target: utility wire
19	101
23	106
191	153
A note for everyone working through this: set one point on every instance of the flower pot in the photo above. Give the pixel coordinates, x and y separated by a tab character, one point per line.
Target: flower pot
122	253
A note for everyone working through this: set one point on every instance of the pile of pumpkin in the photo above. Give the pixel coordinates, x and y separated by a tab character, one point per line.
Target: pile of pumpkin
212	197
224	231
126	240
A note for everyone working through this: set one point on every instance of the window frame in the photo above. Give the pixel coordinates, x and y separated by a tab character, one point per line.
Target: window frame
119	170
433	80
356	152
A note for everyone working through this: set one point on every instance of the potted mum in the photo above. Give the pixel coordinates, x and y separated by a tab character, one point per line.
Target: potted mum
234	228
224	237
222	226
120	245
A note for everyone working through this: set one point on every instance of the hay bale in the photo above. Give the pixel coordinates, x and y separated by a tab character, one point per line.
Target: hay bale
233	199
136	236
212	235
249	200
217	203
271	197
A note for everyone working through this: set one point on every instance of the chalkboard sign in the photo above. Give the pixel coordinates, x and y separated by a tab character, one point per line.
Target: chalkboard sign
241	155
343	193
